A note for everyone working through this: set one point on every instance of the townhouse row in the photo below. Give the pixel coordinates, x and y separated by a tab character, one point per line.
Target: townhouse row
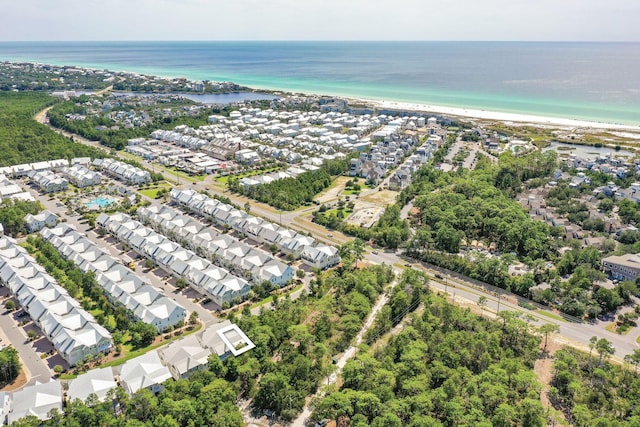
223	250
313	253
74	333
216	283
120	284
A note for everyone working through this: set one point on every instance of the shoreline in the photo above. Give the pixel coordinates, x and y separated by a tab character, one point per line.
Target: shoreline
471	113
455	112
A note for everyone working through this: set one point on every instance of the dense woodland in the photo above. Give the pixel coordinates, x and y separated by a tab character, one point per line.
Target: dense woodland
291	193
447	367
24	140
592	391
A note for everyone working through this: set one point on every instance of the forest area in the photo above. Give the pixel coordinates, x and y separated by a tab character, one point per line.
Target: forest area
24	140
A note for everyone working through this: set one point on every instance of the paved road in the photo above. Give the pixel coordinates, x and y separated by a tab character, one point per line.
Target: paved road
36	369
574	333
155	277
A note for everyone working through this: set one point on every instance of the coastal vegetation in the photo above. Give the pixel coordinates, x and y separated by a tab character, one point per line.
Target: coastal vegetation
423	377
295	342
24	140
593	391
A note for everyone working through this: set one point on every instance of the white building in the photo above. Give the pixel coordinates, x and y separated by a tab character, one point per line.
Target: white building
123	171
37	222
97	382
184	356
120	284
73	332
82	177
37	400
49	182
146	371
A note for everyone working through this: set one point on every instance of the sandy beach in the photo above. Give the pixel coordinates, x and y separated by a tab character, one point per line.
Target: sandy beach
498	116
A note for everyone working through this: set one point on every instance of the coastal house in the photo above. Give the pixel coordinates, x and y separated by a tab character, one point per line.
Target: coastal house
73	332
120	284
37	400
97	382
320	256
146	371
184	356
43	219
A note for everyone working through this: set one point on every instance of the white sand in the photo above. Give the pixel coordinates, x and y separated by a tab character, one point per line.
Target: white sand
496	115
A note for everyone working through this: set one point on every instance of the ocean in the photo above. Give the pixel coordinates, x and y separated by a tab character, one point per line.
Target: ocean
586	81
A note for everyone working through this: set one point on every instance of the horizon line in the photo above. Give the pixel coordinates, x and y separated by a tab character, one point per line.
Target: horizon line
315	41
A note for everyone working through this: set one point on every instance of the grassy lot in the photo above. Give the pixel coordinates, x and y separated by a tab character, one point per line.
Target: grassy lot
152	192
269	299
225	179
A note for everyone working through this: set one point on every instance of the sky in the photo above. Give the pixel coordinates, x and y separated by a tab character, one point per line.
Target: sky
517	20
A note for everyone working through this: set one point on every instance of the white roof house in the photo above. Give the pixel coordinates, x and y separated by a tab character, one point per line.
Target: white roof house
48	181
37	400
288	241
146	371
96	381
321	256
226	339
38	222
120	284
182	263
80	176
184	356
73	332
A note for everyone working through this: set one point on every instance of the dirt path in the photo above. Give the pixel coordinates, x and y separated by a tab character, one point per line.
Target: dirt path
349	354
543	368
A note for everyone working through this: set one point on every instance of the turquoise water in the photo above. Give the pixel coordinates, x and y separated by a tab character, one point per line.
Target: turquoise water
99	203
589	81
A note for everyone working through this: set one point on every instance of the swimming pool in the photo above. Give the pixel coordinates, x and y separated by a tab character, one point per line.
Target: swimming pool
99	203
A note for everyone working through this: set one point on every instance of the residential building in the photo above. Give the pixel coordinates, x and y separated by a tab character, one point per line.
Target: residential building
184	356
622	267
37	400
96	382
81	176
123	171
73	332
49	182
35	223
120	284
146	371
